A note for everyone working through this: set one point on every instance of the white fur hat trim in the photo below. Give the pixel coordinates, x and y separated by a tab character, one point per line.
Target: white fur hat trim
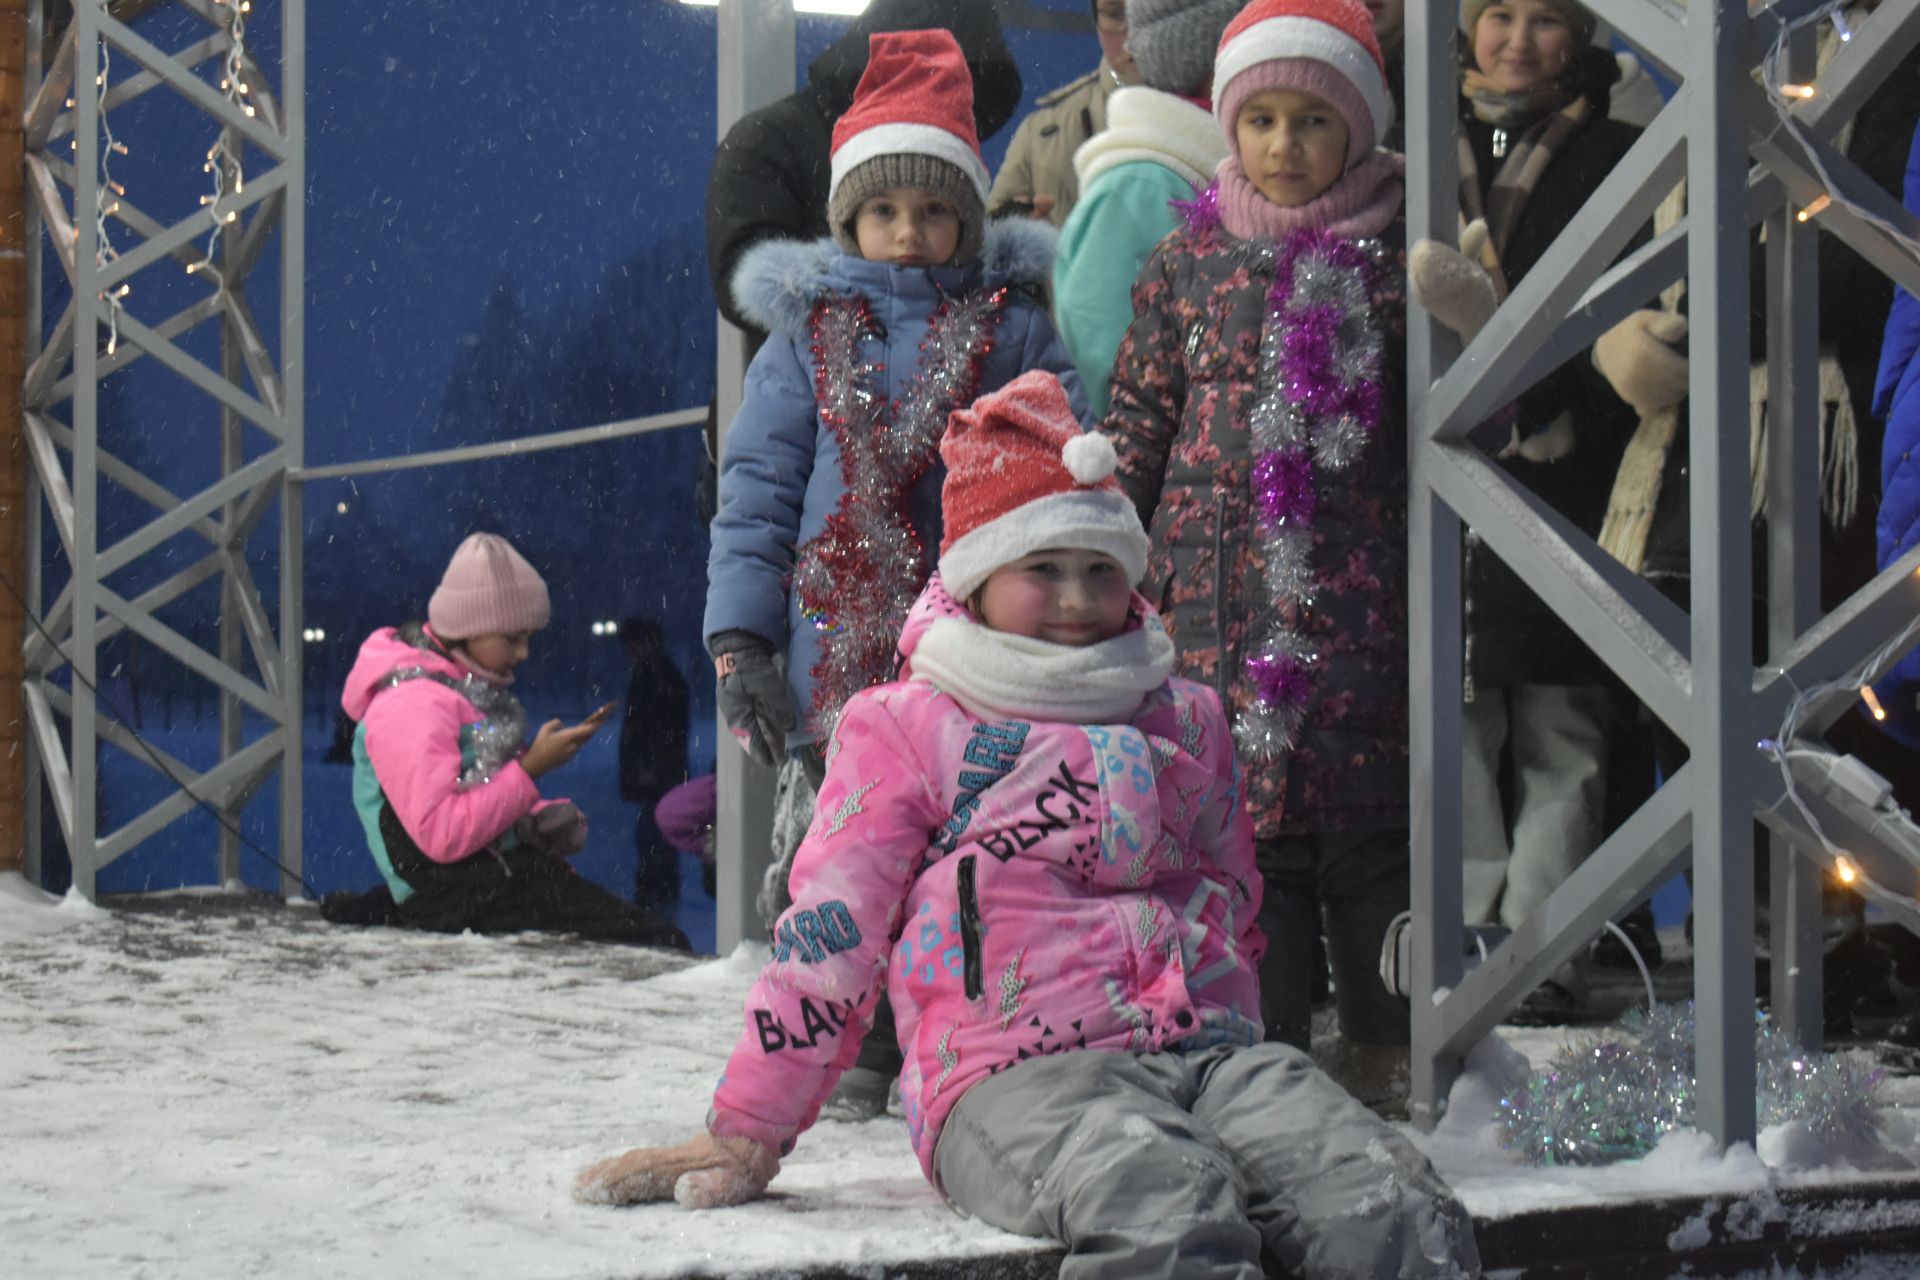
1100	520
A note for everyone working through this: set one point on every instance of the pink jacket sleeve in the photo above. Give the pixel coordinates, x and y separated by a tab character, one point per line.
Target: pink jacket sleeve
813	1004
413	742
1225	835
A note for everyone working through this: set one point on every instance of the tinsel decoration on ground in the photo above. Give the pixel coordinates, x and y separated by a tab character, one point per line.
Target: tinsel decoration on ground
1319	402
1613	1095
857	578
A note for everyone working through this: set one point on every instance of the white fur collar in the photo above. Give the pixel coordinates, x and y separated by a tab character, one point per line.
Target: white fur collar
996	673
1146	124
778	281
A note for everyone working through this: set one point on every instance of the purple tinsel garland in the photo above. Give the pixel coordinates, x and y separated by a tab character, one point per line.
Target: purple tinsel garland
1319	401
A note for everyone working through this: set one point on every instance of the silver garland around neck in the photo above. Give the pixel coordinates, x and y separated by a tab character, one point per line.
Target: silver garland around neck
498	738
858	578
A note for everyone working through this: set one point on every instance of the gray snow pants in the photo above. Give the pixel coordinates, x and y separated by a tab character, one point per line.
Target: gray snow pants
1198	1165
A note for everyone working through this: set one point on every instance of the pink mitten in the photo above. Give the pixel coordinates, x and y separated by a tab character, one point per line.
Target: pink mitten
705	1173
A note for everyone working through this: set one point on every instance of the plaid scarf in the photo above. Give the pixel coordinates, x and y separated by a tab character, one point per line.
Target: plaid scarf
1528	157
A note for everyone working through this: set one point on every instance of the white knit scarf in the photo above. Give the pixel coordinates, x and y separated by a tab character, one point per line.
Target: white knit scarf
996	673
1146	124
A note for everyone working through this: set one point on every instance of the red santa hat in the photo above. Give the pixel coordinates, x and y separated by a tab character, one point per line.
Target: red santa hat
1323	47
1023	477
914	105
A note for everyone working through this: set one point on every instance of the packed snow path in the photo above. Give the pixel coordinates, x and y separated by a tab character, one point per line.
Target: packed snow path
213	1086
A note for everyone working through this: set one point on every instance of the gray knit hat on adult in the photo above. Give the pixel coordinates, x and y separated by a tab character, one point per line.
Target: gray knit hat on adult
1173	41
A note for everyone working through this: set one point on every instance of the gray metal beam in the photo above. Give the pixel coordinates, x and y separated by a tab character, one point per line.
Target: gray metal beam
68	368
756	67
1646	850
1793	565
1639	633
1863	64
1705	678
1722	583
1434	587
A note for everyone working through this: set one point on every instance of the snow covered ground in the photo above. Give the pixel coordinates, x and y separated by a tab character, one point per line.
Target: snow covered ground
247	1093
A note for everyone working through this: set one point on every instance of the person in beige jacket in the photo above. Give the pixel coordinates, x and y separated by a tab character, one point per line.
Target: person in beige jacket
1037	177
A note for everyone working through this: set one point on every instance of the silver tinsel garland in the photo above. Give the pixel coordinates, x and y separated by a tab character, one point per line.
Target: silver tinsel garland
1613	1095
857	578
1320	354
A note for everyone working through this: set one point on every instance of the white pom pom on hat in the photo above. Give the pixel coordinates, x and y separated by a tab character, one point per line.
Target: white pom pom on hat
1023	477
1089	457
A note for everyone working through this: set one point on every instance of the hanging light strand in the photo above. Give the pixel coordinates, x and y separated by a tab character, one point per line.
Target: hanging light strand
226	163
1785	96
106	200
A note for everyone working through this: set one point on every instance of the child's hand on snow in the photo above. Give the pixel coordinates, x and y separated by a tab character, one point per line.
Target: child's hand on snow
706	1173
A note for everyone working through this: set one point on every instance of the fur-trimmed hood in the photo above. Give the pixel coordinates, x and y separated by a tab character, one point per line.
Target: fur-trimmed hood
778	281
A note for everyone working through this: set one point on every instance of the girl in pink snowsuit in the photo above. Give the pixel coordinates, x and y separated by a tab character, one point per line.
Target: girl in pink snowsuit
1035	841
445	782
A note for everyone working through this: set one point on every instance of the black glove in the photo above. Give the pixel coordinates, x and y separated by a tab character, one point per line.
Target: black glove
753	694
557	830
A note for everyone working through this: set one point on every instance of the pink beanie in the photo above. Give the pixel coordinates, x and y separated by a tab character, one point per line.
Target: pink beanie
1023	477
488	589
1323	47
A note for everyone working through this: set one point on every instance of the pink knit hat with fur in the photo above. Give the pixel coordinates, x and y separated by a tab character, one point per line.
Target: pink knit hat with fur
1023	477
488	589
1322	47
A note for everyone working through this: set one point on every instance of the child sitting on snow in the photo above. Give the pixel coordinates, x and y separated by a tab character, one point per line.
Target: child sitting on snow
444	787
1035	840
830	482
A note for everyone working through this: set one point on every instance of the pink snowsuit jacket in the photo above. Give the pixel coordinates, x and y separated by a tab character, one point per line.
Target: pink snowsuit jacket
417	736
1021	887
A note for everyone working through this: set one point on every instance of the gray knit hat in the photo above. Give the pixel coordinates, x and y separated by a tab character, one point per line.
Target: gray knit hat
1173	41
908	169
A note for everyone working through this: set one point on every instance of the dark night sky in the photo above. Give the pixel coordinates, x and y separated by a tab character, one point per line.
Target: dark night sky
474	167
453	143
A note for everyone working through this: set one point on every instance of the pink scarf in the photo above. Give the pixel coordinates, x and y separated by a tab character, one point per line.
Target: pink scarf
1362	202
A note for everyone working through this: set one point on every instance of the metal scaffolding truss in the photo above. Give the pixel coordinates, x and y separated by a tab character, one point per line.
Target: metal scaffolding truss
254	126
1722	134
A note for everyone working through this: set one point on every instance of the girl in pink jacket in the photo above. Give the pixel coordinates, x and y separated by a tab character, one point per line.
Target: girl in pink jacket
1035	842
444	781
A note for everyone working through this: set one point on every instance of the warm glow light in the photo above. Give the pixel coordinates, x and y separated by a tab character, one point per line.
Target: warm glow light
1844	869
1801	91
836	8
1873	703
1813	210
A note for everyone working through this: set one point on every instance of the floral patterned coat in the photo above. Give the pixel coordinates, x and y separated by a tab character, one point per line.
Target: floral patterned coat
1183	387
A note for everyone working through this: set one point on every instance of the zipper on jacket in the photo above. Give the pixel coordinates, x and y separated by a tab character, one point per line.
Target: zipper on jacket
1221	680
970	930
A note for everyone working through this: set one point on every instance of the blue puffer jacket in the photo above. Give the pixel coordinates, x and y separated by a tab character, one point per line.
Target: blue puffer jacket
780	472
1896	400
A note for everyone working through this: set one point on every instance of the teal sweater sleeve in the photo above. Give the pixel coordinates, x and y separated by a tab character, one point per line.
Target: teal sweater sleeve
1121	216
